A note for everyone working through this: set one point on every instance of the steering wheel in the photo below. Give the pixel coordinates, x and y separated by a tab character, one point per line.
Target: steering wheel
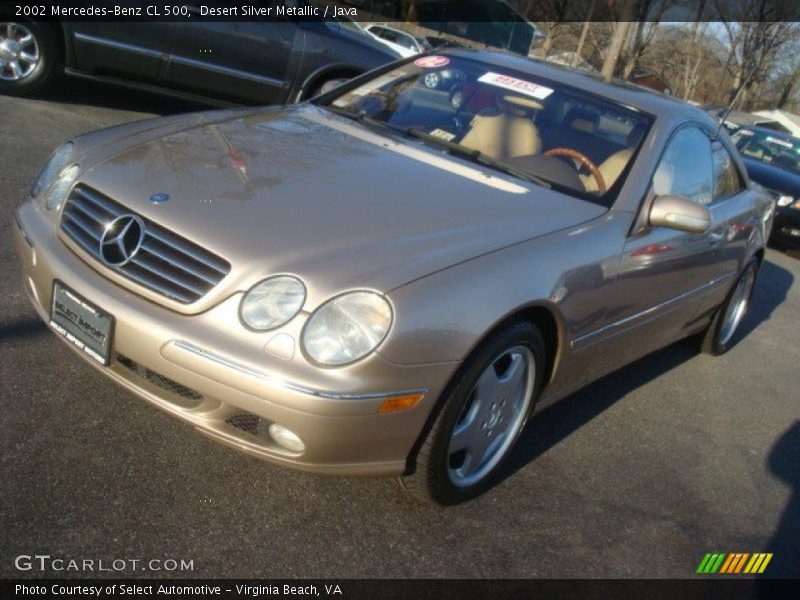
585	161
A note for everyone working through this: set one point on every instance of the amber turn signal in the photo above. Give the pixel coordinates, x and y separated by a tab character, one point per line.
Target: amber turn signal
398	403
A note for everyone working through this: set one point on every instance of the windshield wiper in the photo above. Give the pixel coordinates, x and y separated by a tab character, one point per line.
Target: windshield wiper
344	112
364	119
478	157
468	153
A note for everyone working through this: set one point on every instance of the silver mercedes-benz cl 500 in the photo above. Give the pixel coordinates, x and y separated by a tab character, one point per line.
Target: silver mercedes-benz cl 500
383	281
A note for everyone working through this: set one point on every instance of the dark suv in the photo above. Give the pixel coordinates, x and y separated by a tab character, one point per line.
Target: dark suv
248	62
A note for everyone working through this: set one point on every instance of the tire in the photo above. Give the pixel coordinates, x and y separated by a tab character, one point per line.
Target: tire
721	333
19	40
446	475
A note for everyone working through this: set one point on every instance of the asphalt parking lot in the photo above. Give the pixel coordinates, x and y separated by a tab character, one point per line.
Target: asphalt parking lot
638	475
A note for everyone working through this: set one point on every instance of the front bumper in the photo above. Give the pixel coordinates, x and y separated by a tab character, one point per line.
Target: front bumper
787	227
225	385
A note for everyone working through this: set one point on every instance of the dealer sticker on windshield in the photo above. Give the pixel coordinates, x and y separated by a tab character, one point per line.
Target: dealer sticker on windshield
528	88
442	134
432	62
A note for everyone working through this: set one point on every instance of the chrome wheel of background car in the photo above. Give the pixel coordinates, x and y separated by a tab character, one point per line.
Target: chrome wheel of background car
431	80
492	417
737	307
457	99
19	51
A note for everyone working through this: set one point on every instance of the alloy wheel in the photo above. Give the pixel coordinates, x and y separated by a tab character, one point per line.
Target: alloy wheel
457	101
431	80
19	51
737	307
492	417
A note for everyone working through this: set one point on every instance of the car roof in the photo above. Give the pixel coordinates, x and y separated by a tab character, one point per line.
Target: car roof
625	93
388	28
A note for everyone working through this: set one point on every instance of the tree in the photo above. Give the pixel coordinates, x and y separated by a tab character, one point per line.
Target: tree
695	56
584	31
556	14
409	8
756	32
648	14
618	39
790	87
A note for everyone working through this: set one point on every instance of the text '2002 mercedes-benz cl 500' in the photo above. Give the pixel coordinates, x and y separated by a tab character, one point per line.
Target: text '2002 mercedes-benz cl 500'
382	281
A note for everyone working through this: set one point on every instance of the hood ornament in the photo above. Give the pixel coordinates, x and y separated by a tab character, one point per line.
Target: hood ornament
159	198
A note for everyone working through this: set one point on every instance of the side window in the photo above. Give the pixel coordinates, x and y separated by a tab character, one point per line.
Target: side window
407	41
726	176
686	168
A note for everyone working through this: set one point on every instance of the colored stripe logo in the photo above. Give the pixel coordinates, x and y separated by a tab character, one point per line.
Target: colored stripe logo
734	562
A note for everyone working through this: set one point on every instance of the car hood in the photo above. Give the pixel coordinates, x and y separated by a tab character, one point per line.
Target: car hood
303	191
773	178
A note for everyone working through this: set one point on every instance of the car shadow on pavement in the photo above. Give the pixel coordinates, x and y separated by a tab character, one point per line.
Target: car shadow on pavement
785	542
771	290
71	90
560	420
22	327
557	422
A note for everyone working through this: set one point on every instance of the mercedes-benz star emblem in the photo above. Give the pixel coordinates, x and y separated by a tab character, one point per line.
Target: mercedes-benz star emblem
121	240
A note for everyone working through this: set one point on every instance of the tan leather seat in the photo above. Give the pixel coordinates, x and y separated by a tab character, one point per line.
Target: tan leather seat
612	167
506	131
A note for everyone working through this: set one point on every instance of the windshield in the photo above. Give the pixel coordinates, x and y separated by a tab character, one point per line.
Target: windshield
778	151
518	123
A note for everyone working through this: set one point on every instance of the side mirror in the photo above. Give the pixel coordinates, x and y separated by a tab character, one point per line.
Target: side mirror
677	212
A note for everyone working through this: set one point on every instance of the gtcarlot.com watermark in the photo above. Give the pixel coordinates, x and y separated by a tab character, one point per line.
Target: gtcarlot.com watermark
58	564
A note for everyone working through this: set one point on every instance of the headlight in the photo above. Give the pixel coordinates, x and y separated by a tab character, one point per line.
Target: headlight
347	328
785	201
272	302
60	189
60	159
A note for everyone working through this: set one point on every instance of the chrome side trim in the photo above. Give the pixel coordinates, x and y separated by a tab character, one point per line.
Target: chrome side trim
586	339
191	62
91	39
283	384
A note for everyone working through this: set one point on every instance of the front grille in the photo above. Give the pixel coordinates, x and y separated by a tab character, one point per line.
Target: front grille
165	263
158	380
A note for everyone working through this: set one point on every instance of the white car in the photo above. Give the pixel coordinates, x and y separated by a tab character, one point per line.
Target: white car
401	42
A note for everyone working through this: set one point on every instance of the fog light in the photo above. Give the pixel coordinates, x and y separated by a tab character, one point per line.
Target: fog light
286	438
